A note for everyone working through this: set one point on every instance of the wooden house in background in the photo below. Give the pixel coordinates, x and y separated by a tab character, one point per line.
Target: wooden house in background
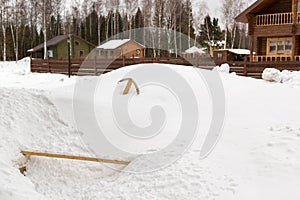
274	30
57	48
121	48
232	56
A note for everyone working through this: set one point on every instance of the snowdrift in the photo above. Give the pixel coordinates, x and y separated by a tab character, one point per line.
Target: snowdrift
256	158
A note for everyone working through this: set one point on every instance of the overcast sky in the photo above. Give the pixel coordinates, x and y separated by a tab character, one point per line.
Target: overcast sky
215	7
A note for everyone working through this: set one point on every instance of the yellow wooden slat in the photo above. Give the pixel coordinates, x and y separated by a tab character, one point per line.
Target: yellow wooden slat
50	155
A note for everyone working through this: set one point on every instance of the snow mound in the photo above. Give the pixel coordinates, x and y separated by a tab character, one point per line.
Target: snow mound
224	68
21	67
29	121
272	74
285	76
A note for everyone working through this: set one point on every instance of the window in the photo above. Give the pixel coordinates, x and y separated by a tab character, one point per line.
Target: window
272	46
81	53
77	43
50	53
298	8
279	46
220	55
288	46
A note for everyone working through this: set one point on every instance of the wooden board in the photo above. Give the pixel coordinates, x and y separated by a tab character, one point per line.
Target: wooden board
118	162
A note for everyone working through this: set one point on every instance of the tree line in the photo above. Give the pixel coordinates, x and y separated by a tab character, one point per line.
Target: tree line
25	24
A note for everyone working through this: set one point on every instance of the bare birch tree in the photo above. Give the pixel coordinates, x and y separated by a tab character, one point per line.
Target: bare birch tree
3	20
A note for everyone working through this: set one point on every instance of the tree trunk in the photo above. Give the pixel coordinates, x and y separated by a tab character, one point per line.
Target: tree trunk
45	32
226	34
99	30
4	42
234	35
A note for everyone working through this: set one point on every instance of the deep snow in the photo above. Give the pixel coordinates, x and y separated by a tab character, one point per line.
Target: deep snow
256	158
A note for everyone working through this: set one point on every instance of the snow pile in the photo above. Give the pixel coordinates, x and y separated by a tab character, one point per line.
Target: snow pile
286	77
28	121
272	74
21	67
224	68
256	158
195	50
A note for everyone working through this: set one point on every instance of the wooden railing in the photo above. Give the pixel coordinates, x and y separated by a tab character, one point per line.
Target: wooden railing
275	19
274	58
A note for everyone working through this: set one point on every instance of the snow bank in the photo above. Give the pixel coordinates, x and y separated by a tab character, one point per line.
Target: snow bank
21	67
224	68
285	77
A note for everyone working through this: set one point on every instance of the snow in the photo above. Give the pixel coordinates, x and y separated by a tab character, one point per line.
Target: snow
256	158
195	50
20	67
224	68
113	44
286	77
240	51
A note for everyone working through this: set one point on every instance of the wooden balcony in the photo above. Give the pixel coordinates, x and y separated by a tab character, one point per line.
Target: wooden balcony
275	19
275	58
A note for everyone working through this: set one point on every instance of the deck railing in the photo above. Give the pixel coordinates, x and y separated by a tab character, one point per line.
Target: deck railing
275	19
275	58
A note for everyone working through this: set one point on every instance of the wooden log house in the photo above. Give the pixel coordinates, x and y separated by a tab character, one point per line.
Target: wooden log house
274	31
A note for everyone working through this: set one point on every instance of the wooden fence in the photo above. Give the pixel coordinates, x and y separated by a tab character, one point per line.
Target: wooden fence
96	66
255	69
99	66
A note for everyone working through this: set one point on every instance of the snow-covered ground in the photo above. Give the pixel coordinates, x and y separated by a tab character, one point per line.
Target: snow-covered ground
257	156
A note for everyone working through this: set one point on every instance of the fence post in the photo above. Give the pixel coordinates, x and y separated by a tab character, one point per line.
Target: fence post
245	65
48	63
95	64
69	57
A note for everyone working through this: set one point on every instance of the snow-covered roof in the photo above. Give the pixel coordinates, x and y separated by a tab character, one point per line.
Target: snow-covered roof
114	44
237	51
195	50
240	51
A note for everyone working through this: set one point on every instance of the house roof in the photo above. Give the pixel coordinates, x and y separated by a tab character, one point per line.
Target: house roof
256	7
237	51
54	41
114	44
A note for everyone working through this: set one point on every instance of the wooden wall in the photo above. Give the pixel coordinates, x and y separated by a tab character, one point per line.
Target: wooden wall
261	47
297	45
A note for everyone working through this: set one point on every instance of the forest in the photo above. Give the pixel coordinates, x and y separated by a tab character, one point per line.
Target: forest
26	23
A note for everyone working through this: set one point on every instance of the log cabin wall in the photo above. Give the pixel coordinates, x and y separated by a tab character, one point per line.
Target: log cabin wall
261	47
297	45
